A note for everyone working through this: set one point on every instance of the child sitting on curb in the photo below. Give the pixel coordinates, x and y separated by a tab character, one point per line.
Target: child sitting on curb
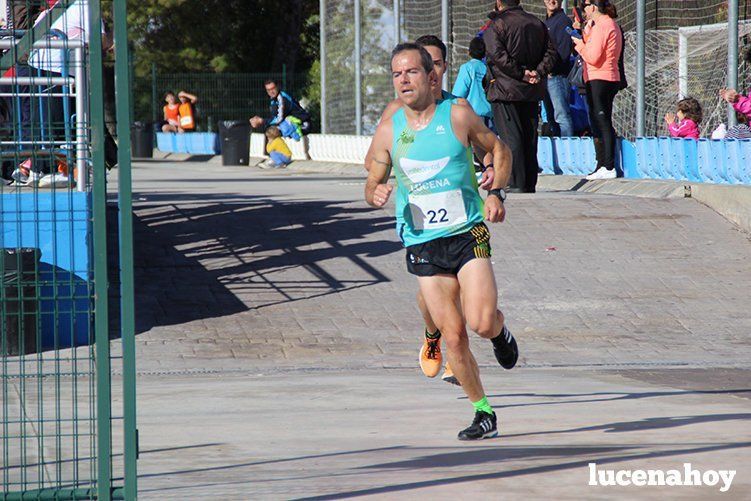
689	115
277	149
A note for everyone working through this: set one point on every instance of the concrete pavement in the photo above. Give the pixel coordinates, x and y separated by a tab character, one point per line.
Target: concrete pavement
278	338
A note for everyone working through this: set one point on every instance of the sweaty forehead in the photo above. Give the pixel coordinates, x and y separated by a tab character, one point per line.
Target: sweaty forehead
408	59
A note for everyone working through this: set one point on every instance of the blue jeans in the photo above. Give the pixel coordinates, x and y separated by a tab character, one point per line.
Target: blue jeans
279	158
559	90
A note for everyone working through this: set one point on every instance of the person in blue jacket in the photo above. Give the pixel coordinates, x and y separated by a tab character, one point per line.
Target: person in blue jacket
469	82
285	112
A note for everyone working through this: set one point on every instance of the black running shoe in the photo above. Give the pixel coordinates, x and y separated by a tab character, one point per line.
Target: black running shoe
505	349
483	426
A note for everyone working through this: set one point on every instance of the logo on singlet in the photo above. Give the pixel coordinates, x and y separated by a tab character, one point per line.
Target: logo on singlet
419	171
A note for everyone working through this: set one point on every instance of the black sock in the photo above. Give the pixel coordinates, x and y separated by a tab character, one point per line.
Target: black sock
435	335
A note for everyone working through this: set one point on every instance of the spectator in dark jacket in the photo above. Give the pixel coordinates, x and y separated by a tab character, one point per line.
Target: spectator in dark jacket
520	55
559	89
282	106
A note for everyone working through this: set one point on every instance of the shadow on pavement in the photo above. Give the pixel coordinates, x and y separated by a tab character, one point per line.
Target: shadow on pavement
611	396
532	470
202	256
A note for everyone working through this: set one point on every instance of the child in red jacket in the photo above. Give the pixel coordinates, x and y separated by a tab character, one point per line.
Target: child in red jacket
689	116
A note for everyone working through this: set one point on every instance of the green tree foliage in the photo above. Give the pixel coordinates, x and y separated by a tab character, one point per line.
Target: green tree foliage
220	36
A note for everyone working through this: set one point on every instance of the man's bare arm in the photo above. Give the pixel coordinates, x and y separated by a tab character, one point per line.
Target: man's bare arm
377	189
391	108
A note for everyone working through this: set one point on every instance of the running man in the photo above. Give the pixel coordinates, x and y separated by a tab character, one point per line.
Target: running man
430	357
439	215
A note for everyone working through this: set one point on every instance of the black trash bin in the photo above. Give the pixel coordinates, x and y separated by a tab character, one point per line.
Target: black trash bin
142	140
235	139
18	295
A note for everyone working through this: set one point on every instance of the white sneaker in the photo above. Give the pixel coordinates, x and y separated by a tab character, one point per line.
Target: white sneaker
602	173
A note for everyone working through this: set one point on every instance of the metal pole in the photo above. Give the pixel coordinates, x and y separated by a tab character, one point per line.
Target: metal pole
127	291
682	64
322	17
358	71
641	18
732	54
101	285
445	37
397	23
154	99
82	121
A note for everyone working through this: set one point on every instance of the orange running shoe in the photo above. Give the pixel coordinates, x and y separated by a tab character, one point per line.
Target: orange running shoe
448	376
430	356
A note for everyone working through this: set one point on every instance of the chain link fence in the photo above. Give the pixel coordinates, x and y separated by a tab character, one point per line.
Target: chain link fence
221	96
686	54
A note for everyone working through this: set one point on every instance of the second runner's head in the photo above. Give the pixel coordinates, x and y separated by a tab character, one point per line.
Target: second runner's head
413	74
437	50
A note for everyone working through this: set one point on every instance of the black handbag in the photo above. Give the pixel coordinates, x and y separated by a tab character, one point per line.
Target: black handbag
576	75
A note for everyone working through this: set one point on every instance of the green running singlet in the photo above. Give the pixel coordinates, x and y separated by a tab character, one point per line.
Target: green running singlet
436	186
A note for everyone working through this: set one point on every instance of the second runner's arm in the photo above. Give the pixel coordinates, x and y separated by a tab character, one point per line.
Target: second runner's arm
377	189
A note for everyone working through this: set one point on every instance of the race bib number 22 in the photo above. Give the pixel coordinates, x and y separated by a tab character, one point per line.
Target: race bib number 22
437	210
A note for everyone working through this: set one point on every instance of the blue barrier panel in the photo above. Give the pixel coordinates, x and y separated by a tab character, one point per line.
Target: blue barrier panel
575	155
628	159
65	289
678	159
194	143
738	160
646	154
589	157
711	159
545	155
165	141
705	160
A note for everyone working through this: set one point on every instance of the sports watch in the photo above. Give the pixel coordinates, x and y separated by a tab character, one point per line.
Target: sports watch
500	193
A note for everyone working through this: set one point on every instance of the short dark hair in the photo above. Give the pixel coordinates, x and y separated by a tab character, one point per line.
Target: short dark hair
509	3
169	92
691	109
477	48
270	81
741	117
425	60
432	41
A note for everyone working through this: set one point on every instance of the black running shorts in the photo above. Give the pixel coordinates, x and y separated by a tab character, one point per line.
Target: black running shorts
446	256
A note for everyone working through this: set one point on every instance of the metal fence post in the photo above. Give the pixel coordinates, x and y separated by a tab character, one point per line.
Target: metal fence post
397	23
125	202
732	54
358	70
641	17
154	99
322	31
445	37
101	316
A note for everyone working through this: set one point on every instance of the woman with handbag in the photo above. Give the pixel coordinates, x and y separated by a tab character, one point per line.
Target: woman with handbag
601	53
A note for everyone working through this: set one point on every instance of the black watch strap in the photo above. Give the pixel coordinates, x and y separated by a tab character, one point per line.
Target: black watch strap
500	193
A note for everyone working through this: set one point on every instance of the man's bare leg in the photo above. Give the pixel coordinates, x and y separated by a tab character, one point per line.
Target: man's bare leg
479	297
440	293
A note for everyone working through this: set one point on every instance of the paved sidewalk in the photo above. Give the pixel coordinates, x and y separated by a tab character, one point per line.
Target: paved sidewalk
279	335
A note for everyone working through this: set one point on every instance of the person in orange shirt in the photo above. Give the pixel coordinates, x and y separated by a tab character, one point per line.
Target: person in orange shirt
186	111
601	51
171	113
